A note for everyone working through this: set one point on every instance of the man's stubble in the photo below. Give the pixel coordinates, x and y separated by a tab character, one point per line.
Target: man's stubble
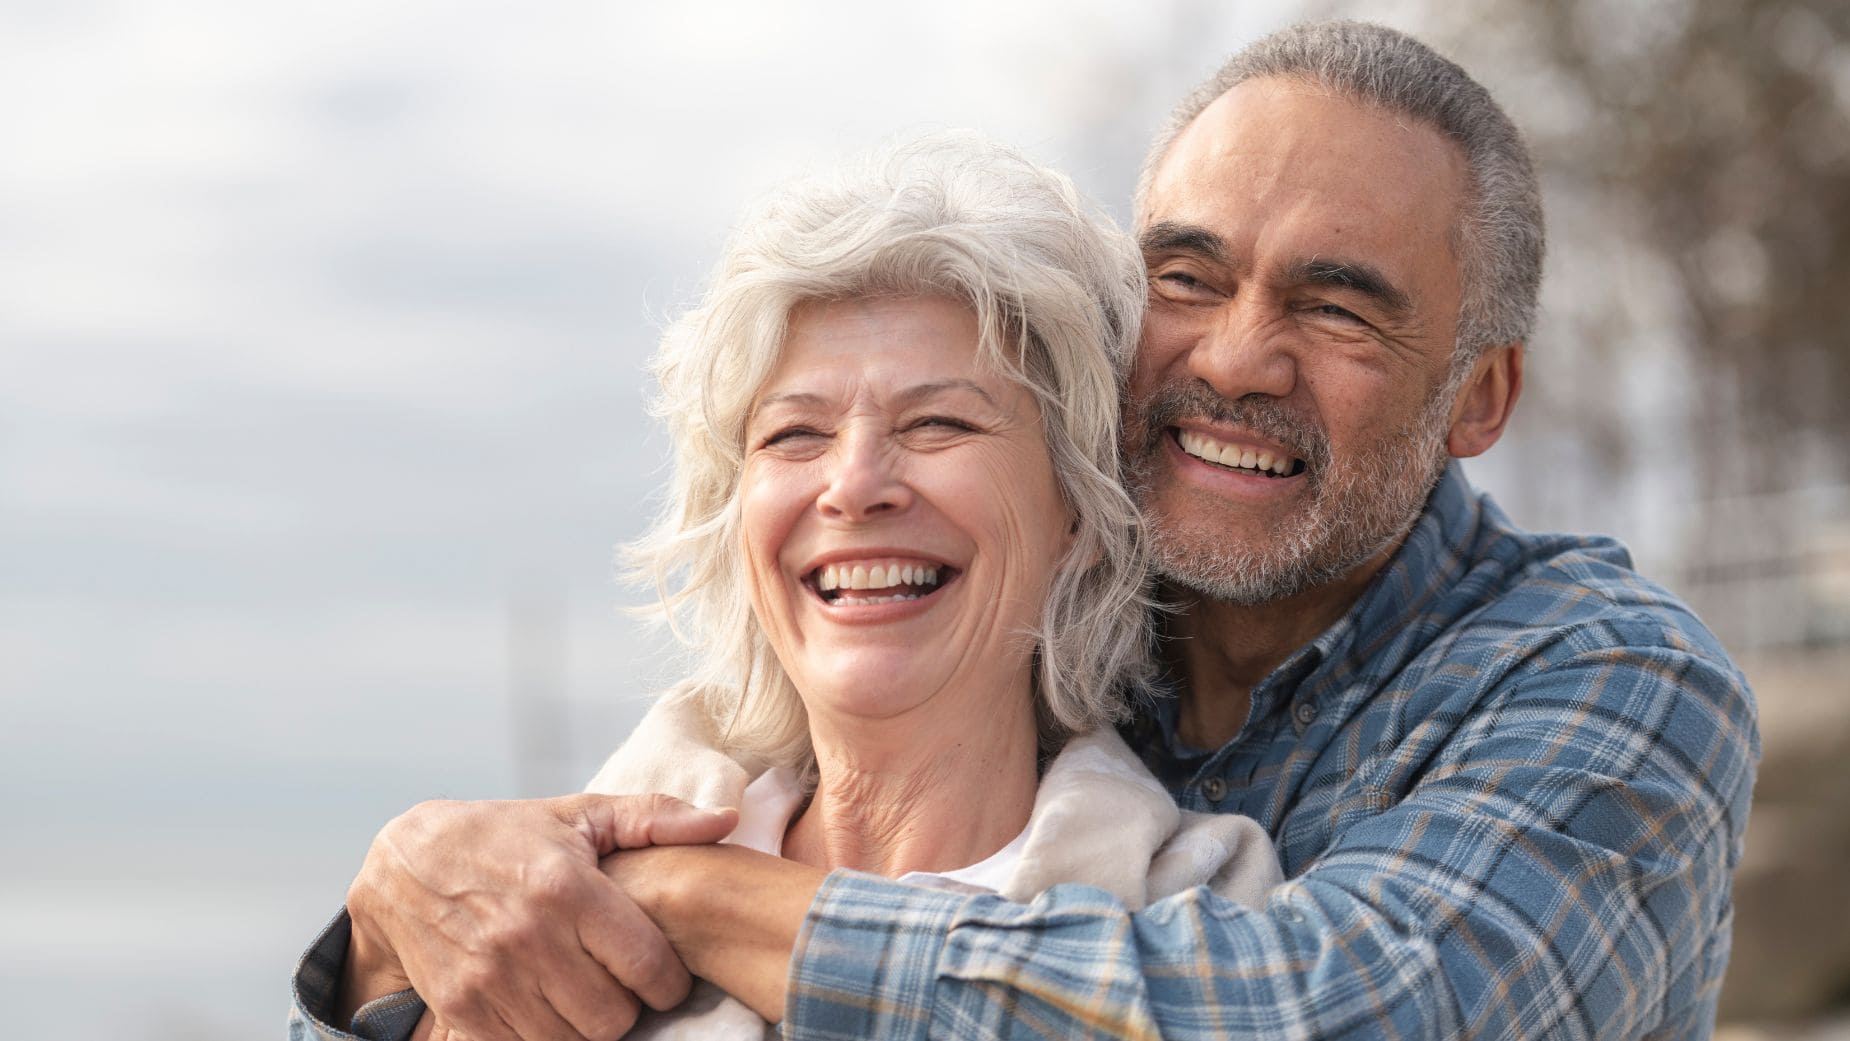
1358	504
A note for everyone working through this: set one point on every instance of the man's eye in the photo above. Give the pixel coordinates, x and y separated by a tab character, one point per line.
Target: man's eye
1334	311
1181	280
1183	287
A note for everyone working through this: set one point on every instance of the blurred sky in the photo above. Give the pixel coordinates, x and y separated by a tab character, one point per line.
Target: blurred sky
320	342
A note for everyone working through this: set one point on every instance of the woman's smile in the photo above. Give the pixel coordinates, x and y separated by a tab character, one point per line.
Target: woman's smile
867	581
891	479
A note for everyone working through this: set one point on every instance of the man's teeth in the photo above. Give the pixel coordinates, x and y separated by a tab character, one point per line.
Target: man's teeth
884	575
1206	448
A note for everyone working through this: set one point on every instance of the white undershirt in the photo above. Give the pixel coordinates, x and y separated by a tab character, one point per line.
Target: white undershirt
769	803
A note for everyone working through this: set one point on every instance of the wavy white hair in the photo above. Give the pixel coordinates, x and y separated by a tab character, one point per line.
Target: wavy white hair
1058	293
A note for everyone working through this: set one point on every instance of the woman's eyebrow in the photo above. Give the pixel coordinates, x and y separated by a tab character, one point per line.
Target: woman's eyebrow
801	399
919	392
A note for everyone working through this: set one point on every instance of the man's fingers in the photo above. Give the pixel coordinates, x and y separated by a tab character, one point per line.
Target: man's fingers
614	822
519	1013
684	825
603	1011
633	949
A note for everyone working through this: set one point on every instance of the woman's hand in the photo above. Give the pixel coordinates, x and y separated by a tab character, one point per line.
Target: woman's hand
496	912
732	914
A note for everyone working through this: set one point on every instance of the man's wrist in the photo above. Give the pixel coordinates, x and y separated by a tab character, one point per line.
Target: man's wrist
371	971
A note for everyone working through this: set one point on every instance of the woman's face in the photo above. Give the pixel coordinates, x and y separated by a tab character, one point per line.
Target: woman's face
901	520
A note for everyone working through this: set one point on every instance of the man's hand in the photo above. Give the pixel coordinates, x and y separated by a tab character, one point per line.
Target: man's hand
497	913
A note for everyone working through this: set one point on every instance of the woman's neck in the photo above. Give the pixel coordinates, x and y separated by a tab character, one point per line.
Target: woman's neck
902	795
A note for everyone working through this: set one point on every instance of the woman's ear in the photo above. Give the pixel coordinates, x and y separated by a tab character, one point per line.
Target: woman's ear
1483	406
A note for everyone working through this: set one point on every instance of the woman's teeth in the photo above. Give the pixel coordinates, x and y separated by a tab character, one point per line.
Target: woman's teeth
1209	450
860	581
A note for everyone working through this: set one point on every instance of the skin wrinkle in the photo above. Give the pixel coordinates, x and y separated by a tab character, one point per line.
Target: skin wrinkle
911	447
1228	275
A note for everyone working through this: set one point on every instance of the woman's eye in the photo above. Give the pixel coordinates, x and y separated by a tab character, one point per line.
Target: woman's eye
940	423
790	434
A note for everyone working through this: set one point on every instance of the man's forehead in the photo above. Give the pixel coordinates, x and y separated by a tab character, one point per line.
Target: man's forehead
1271	146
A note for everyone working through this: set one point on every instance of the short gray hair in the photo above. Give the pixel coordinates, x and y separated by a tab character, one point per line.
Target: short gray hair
1058	293
1499	238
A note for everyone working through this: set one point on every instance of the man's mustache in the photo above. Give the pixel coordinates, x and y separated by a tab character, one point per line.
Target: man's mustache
1258	413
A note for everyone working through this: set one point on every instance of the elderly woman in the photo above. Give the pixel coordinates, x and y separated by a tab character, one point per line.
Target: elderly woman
898	548
896	503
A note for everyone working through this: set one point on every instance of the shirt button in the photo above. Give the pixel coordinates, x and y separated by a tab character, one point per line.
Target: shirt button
1305	713
1214	788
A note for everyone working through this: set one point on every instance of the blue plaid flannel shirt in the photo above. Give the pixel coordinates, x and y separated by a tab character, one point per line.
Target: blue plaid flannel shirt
1508	789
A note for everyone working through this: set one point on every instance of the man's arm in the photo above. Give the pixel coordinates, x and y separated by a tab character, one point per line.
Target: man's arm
1557	871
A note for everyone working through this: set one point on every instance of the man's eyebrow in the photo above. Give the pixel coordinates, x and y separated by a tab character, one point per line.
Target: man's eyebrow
1171	237
1355	276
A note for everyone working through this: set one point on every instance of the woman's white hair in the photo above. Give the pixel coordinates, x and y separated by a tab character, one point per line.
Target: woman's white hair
1058	293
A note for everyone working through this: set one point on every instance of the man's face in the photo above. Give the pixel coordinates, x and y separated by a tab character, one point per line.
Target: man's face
1288	411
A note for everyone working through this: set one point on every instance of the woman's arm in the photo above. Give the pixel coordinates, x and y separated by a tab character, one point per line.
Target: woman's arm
732	914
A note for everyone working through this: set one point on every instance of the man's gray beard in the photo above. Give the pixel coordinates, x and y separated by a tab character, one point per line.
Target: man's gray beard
1359	504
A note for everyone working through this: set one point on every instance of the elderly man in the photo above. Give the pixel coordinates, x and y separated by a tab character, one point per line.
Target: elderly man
1507	776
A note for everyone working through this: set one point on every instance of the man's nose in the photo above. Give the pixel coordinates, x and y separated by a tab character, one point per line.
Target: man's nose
864	480
1239	352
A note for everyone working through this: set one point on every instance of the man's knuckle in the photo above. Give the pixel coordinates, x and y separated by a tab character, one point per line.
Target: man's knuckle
556	883
646	966
451	997
613	1020
656	802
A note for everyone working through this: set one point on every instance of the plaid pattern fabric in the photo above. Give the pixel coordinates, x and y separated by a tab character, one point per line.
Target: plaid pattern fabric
1508	789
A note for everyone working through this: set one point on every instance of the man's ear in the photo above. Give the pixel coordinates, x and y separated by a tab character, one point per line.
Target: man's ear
1484	403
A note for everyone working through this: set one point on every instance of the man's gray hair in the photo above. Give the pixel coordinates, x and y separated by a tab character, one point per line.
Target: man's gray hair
1499	238
1058	295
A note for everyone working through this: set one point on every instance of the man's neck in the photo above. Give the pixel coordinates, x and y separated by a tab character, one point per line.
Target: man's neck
1220	651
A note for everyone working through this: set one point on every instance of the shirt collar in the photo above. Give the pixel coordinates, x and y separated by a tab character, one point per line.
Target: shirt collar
1416	594
1392	620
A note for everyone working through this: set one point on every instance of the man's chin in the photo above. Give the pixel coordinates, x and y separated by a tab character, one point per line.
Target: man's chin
1252	561
1241	561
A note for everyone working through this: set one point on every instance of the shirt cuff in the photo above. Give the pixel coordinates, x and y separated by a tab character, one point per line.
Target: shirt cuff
866	960
316	985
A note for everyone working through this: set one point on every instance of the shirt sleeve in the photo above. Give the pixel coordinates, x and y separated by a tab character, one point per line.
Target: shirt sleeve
317	977
1560	868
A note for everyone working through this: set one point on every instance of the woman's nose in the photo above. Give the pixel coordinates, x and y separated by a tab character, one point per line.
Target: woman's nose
864	481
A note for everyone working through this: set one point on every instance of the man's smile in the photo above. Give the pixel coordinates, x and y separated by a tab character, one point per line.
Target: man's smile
1264	460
